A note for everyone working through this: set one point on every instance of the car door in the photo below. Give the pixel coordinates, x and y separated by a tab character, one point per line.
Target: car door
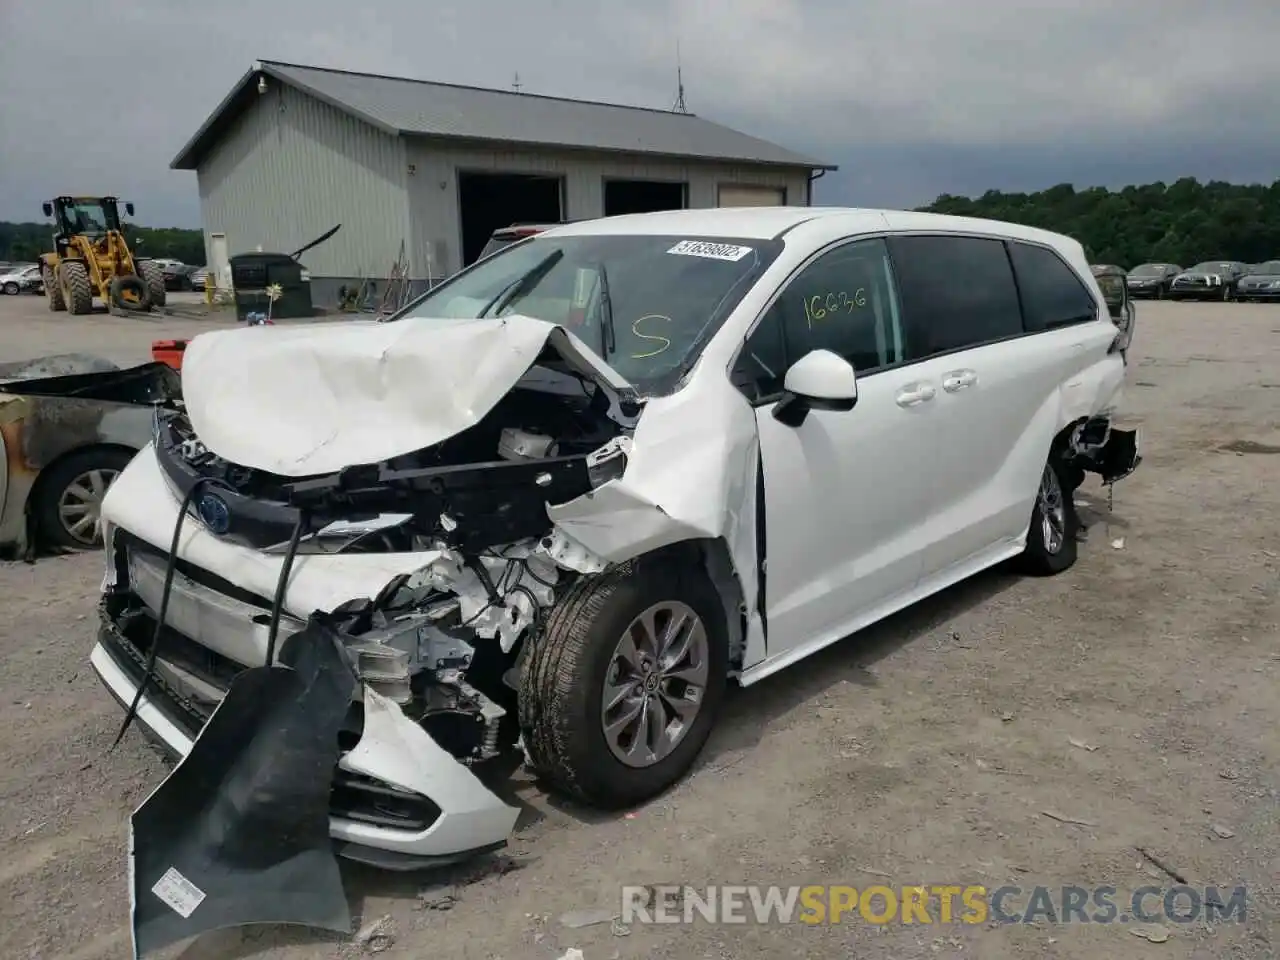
994	419
843	490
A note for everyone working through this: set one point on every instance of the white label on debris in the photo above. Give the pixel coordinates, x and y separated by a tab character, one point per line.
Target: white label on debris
714	251
178	892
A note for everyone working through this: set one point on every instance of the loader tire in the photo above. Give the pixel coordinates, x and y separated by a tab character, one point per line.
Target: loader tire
128	292
52	291
76	289
153	277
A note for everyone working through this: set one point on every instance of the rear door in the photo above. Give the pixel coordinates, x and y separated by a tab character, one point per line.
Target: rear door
997	380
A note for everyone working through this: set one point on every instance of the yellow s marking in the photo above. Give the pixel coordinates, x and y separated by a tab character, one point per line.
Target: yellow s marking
635	328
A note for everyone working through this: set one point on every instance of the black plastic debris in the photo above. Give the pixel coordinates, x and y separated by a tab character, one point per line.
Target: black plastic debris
239	831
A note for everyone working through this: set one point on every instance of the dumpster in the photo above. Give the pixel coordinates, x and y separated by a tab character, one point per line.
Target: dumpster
252	273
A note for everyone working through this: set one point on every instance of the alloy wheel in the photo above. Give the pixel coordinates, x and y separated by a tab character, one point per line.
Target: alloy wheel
655	684
1053	511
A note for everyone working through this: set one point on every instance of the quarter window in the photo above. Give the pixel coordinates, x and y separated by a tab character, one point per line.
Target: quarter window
1052	294
956	292
844	301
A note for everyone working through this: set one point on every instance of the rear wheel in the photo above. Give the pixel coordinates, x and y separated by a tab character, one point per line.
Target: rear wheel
52	290
76	289
623	687
67	502
1051	538
153	277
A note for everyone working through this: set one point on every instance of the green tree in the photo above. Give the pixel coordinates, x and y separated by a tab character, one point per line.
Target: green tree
26	241
1184	222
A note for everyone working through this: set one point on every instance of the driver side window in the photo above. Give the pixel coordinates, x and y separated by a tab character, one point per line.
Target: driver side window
845	301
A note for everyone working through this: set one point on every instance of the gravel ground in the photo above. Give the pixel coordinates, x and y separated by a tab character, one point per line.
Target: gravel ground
1135	693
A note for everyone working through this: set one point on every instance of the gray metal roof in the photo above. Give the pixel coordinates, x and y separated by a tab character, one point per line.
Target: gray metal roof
421	108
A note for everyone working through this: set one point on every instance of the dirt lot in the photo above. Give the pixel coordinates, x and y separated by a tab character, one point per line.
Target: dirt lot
1136	693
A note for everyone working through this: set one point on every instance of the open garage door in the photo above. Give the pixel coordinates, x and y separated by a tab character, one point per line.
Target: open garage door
487	201
752	197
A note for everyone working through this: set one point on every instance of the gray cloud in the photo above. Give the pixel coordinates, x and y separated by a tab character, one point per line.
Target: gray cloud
911	97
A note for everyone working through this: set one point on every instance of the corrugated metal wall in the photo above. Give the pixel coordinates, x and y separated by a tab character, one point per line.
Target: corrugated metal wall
433	188
290	169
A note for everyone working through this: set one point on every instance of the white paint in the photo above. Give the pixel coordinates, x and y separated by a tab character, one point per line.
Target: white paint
711	251
396	750
180	894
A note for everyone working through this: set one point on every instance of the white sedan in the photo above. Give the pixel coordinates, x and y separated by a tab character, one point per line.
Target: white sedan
568	495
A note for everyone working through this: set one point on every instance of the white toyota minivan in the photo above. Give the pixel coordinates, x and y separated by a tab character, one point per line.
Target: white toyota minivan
561	500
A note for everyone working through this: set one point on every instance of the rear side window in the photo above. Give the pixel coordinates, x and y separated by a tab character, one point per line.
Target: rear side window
1052	294
956	292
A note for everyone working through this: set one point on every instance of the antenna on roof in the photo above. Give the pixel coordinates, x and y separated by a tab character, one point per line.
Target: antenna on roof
516	84
679	106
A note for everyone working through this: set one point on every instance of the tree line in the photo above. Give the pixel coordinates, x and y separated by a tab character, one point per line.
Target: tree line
1185	222
24	242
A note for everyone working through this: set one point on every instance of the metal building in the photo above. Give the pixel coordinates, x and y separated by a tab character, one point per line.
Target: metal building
294	150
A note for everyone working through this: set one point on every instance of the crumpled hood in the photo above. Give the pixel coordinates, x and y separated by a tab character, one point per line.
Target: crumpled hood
311	399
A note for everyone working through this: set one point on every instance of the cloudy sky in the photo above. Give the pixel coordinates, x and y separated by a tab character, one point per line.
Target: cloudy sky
911	98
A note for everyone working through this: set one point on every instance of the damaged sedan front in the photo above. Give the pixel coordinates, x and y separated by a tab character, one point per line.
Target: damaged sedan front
550	510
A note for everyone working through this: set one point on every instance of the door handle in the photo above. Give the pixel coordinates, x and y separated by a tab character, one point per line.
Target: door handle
915	394
958	380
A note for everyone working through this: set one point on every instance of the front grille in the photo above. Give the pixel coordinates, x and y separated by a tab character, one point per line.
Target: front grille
189	682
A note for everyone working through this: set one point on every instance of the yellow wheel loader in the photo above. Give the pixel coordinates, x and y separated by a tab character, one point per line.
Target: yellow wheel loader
91	258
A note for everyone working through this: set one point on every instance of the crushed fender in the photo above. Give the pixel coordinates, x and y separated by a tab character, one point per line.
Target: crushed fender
239	831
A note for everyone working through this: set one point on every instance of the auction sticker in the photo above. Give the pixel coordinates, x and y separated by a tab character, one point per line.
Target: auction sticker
713	251
178	893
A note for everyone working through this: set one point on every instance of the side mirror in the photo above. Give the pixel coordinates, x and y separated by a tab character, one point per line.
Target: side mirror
128	208
48	209
820	380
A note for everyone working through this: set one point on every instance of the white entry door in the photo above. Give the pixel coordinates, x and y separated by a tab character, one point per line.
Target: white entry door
743	196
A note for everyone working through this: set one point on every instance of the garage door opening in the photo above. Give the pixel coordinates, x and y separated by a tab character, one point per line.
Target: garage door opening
487	201
643	196
738	196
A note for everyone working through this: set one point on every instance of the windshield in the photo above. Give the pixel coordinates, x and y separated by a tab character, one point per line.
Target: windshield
646	304
1213	266
86	216
1148	270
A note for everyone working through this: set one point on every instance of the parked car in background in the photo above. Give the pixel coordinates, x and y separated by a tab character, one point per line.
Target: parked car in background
1261	283
1211	280
59	453
506	236
23	279
178	277
1152	280
197	277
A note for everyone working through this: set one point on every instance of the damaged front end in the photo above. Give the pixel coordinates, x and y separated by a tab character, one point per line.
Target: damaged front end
428	571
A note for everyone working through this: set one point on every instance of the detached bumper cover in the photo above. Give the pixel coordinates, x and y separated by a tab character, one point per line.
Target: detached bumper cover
239	832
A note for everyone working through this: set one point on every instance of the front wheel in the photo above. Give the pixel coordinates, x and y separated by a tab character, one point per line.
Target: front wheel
11	289
623	687
153	276
1051	538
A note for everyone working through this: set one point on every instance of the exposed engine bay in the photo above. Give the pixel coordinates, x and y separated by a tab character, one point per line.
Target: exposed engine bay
478	501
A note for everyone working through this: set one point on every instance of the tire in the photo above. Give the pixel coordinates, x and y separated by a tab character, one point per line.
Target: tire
153	277
11	289
562	687
76	289
60	491
53	291
128	292
1051	552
